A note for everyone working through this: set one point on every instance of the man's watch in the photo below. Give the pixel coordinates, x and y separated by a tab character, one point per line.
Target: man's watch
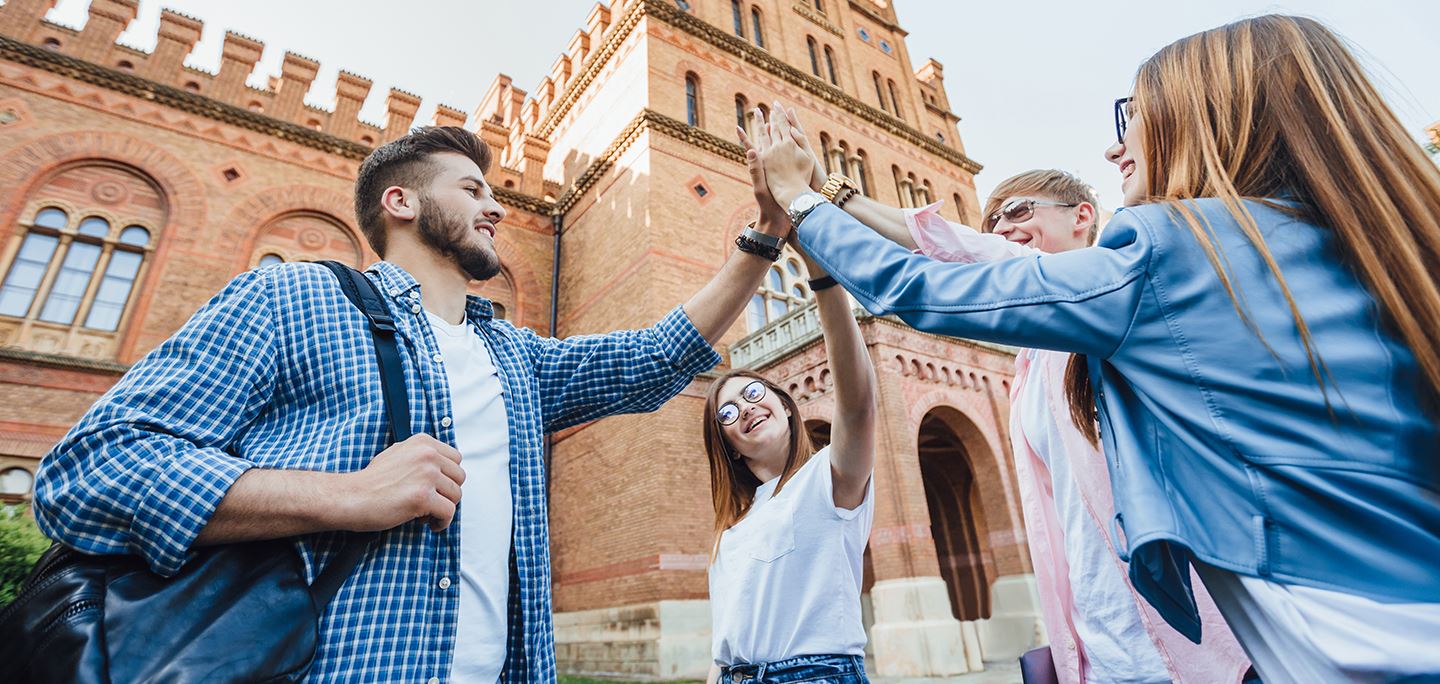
834	183
802	205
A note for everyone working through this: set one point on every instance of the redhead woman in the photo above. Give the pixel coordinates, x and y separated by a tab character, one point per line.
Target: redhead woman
791	523
1261	338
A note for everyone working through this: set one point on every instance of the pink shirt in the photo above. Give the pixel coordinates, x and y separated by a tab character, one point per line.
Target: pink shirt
1055	537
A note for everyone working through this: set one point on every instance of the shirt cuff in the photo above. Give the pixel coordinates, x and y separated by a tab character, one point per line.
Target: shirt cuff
683	344
919	222
180	503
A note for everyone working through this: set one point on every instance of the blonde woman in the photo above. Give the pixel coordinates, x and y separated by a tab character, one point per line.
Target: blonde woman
1261	332
791	523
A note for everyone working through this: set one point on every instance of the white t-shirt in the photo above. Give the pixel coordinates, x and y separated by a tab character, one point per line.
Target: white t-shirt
786	580
482	436
1117	646
1307	635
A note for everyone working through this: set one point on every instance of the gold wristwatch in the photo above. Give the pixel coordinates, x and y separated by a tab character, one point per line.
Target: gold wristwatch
834	184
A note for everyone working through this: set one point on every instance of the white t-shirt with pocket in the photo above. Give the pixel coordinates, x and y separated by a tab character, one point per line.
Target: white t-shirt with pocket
786	580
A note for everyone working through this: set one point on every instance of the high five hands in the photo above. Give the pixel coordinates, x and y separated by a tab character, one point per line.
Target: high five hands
780	159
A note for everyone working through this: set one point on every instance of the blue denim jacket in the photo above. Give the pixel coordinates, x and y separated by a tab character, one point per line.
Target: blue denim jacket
1220	447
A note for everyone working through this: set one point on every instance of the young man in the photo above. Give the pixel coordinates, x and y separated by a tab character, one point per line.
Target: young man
262	418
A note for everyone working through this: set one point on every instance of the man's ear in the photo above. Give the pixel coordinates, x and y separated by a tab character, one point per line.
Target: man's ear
1085	215
399	203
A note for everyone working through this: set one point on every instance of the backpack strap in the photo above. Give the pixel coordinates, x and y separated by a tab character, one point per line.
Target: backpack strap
367	298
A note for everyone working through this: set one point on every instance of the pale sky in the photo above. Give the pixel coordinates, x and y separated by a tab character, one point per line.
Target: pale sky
1033	82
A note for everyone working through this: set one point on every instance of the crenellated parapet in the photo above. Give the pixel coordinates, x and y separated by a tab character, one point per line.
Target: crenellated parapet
282	99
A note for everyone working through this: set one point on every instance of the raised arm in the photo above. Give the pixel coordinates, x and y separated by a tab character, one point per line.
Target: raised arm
852	445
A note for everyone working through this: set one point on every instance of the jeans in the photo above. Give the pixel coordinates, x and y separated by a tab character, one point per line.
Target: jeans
818	669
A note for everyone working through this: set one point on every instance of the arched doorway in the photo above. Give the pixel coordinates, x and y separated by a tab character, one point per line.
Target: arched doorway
957	522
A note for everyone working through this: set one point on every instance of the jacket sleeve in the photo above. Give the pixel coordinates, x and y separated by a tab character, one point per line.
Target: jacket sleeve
144	469
586	377
1080	301
944	240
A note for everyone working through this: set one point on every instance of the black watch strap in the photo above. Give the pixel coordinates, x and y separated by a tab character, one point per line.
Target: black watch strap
752	246
824	282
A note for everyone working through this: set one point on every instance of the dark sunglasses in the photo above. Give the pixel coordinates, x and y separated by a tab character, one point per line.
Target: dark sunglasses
1019	211
729	412
1122	117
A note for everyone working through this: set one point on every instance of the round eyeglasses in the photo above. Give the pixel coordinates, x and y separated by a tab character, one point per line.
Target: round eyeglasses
1019	211
729	412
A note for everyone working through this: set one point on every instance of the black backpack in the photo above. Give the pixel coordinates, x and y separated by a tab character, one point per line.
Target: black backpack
234	613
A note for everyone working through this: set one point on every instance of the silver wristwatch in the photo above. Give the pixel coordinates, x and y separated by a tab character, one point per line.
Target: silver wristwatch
802	205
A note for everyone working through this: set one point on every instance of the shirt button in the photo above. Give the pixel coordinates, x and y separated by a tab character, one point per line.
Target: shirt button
415	308
414	294
433	680
437	358
445	422
395	292
444	582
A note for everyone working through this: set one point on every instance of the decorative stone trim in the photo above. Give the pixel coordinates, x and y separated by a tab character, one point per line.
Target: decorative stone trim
646	120
200	105
804	10
62	361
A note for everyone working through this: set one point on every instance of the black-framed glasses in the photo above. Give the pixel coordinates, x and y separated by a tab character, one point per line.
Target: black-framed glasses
1122	117
1020	210
729	412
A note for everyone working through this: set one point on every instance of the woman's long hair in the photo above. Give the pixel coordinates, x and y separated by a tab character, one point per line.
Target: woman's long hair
732	485
1277	106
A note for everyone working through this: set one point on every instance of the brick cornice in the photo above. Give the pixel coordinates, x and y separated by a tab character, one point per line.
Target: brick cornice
199	105
804	10
534	205
61	361
646	120
676	18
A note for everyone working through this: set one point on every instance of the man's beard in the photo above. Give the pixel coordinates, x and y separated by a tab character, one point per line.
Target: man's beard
451	237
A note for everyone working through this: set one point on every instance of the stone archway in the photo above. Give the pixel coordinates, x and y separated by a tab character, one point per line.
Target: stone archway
957	519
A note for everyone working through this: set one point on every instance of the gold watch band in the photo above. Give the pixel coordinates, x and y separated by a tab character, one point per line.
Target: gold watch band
833	184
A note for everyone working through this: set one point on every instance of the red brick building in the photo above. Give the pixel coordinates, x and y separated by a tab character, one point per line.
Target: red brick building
133	187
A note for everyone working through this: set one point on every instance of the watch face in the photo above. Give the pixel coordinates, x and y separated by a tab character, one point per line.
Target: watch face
805	202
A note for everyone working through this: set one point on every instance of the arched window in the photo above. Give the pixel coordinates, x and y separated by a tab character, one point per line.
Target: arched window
959	207
269	259
758	26
741	107
894	99
739	18
820	6
692	99
785	289
879	91
305	236
82	252
830	66
16	483
825	156
900	193
814	56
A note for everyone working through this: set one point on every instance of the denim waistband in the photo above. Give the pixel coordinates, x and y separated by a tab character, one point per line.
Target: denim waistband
799	668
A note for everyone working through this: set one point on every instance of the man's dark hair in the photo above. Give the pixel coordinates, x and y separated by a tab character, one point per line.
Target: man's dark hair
406	162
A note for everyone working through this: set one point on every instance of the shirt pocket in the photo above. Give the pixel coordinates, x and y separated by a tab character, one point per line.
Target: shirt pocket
773	537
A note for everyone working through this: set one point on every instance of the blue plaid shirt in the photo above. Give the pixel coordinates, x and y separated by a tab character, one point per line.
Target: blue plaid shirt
278	371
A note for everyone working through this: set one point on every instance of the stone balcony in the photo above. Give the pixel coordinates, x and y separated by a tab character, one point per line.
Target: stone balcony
797	329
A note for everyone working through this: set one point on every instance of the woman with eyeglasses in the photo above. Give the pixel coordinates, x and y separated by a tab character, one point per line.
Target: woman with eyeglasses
1261	333
791	523
1100	629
